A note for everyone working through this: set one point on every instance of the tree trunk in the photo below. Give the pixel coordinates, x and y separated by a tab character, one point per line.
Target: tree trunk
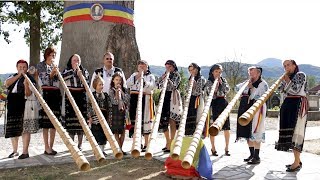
92	39
35	34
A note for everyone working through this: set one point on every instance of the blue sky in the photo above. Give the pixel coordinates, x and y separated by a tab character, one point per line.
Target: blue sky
207	32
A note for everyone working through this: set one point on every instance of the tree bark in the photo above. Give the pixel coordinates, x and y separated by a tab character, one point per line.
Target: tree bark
92	39
35	34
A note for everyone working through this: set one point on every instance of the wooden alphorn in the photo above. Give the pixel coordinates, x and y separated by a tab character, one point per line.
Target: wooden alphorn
188	158
117	152
95	147
181	131
219	122
76	154
155	127
246	117
136	145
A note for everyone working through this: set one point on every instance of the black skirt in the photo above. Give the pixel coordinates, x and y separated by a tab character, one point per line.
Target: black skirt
53	99
133	109
191	121
244	131
72	123
288	119
98	134
217	106
165	113
118	119
15	111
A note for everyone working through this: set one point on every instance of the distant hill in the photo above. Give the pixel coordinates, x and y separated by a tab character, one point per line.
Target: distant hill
3	77
270	70
270	62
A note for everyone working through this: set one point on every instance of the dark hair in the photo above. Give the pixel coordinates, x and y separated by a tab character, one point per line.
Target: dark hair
114	76
294	63
21	61
48	51
69	65
194	65
214	67
172	63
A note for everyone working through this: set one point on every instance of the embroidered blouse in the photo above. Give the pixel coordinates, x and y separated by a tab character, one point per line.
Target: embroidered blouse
222	91
296	86
198	86
44	71
148	83
173	81
72	79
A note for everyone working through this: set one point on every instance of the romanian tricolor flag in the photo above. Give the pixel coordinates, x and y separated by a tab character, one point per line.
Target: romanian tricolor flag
201	166
98	11
3	96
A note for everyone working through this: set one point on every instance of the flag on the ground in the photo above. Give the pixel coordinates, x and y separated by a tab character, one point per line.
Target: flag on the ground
201	165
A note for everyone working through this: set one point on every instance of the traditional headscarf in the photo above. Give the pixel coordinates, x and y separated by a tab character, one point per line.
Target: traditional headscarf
257	82
146	63
295	70
171	62
194	65
214	67
69	65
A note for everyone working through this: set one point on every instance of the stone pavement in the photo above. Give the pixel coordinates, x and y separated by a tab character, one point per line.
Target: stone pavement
272	165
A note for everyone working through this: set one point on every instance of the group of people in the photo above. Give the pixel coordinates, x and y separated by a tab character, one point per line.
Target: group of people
118	99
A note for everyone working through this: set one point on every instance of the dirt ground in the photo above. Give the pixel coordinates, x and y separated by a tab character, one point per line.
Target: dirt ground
127	168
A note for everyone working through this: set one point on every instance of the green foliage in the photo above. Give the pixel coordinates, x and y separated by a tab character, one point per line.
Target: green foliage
311	80
19	12
183	84
276	108
156	96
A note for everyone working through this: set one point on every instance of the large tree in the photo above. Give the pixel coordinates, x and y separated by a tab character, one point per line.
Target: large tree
44	19
92	38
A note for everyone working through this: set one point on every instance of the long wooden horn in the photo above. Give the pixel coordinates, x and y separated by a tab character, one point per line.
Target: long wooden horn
136	145
181	131
155	127
188	158
76	154
219	122
95	147
246	117
105	127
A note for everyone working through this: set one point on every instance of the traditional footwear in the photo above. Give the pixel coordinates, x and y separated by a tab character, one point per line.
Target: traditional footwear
124	153
248	159
227	153
165	148
144	149
13	154
167	151
214	153
105	154
289	165
294	169
23	156
254	161
52	153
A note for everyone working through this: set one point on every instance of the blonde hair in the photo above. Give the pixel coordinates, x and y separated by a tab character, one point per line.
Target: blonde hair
96	80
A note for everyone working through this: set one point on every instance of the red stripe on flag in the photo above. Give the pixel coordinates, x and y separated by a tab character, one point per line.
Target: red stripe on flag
85	17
